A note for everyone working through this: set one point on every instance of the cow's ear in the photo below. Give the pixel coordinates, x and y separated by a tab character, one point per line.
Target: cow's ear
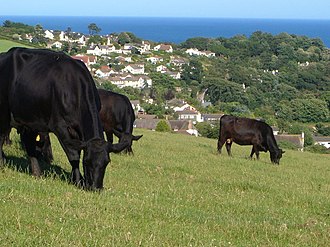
118	147
136	138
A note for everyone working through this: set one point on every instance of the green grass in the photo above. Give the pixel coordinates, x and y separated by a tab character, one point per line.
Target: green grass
5	45
175	191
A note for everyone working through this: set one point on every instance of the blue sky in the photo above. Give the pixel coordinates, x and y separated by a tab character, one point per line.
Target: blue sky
285	9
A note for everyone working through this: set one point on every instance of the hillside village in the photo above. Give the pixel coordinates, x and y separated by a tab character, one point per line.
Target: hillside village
131	64
133	58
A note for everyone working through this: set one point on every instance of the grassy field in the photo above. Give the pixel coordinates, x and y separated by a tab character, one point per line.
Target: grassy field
5	45
175	191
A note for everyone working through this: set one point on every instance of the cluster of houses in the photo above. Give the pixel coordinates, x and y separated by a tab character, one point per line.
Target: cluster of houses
133	74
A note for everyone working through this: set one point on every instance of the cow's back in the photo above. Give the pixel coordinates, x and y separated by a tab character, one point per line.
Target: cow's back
52	88
116	111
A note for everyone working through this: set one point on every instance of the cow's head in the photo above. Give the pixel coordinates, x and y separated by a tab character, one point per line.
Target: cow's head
127	137
276	156
96	158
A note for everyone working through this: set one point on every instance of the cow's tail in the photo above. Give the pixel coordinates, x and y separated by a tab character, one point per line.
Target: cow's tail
219	146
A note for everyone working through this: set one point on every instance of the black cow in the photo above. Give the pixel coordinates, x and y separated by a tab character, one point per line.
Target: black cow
246	131
43	91
117	117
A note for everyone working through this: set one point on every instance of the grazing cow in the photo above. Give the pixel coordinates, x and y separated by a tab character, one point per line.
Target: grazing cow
43	91
117	117
245	131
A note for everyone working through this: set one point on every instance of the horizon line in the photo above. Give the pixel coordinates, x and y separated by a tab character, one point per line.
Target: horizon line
183	17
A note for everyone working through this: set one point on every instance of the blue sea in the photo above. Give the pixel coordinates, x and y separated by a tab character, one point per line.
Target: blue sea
178	30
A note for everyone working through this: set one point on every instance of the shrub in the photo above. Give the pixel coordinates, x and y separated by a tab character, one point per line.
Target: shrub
297	128
318	149
208	130
163	126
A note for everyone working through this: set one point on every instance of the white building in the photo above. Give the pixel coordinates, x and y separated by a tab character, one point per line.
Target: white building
163	47
49	35
136	69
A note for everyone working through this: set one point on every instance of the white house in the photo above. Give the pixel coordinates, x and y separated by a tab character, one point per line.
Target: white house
99	50
128	46
178	61
190	115
49	34
163	47
134	69
193	51
322	140
82	40
94	50
145	47
122	59
184	107
174	74
154	59
196	52
63	37
104	71
131	81
56	44
208	53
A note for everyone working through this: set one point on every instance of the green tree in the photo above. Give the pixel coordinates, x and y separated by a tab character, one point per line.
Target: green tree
322	129
297	128
163	126
93	29
304	110
200	43
95	39
123	38
192	72
208	130
7	23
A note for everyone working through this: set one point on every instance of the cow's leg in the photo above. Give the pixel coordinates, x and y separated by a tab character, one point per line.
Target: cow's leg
74	157
255	150
46	148
257	154
76	177
228	146
29	140
72	152
4	132
221	141
252	152
2	155
109	135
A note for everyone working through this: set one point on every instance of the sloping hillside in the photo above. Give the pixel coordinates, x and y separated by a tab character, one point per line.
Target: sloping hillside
175	191
5	45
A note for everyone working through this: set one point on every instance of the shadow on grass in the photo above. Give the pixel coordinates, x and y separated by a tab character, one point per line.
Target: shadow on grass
21	164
